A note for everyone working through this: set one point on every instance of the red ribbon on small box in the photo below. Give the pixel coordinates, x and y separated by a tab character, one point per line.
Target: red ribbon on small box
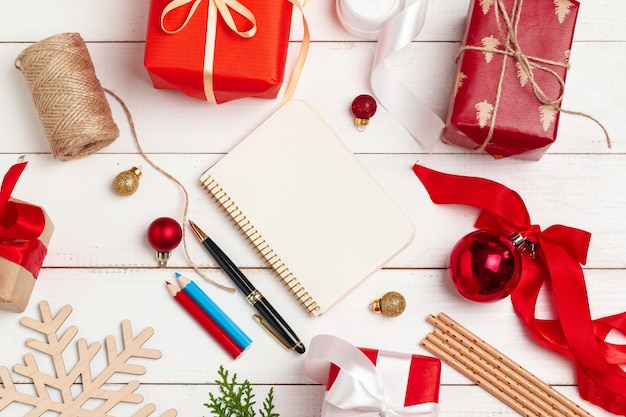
20	226
371	383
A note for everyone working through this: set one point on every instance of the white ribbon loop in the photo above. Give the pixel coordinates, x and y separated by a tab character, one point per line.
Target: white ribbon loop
224	8
399	31
358	390
393	34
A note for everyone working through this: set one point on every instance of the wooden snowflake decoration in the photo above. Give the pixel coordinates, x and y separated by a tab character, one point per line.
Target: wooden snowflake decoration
68	391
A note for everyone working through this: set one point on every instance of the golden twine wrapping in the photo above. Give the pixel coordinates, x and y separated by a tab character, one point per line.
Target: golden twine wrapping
73	111
508	38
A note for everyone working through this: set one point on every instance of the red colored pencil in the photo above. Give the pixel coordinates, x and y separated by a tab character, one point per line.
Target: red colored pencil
204	320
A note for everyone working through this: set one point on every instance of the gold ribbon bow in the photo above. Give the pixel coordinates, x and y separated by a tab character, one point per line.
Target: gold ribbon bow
223	7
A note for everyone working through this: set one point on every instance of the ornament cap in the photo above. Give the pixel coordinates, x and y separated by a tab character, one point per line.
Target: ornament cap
162	257
522	244
136	171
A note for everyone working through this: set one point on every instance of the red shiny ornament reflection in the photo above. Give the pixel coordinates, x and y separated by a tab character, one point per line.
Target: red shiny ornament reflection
363	108
164	235
485	267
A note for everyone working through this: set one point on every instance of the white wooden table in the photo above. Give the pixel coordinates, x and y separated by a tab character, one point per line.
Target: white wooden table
100	263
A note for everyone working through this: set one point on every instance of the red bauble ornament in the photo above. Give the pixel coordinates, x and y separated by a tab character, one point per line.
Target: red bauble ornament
363	109
484	266
164	235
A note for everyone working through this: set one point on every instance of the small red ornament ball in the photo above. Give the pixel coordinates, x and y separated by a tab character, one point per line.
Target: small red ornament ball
485	267
164	234
363	109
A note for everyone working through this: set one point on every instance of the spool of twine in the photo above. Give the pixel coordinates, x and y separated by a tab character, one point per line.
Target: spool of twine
73	111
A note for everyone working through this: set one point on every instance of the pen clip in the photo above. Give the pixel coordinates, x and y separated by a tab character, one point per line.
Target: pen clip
271	331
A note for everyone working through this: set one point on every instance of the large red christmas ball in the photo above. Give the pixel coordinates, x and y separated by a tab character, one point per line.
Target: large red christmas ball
164	234
484	266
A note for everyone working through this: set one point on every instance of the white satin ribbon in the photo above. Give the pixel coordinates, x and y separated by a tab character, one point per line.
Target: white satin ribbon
394	34
358	390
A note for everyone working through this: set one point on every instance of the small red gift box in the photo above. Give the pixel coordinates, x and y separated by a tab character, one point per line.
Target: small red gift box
510	76
361	380
218	51
25	232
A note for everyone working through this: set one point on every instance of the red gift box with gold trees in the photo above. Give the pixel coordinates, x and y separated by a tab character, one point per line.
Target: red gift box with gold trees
510	77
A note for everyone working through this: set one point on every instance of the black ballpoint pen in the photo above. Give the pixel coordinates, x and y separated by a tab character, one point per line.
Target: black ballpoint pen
268	316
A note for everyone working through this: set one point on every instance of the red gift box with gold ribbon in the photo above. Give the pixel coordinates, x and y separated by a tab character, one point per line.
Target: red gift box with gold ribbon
510	78
25	232
218	50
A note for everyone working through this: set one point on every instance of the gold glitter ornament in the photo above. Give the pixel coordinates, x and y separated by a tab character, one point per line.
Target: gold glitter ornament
392	304
127	182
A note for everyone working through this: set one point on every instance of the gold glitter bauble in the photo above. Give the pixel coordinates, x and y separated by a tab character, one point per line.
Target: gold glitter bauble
127	182
392	304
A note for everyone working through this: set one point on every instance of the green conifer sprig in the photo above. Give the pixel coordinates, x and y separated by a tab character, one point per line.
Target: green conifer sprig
237	400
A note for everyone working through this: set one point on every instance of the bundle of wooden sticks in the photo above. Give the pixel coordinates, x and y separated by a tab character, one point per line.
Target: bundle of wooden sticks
496	373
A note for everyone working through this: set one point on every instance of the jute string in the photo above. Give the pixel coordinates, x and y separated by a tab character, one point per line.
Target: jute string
173	179
527	63
74	111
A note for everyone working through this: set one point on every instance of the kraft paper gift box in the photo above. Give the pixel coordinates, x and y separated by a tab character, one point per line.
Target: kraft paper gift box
365	381
512	63
25	232
220	53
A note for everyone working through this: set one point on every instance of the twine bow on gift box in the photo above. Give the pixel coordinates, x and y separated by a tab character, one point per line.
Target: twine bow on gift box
358	389
507	44
559	252
20	226
223	9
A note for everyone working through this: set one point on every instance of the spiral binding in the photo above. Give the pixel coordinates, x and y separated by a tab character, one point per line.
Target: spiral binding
286	276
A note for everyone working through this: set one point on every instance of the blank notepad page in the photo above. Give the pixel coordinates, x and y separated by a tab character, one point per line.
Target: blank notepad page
309	206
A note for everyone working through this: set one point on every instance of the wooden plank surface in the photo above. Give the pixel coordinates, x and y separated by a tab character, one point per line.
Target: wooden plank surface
100	263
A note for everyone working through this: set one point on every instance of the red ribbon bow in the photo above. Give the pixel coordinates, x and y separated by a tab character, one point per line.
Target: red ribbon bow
20	226
560	250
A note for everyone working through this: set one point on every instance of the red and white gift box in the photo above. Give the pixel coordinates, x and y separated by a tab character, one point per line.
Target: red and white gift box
368	382
511	76
218	50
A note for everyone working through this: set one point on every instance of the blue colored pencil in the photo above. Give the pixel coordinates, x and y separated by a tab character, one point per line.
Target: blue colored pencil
202	299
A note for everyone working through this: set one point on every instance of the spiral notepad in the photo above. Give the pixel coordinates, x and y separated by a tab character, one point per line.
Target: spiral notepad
309	206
